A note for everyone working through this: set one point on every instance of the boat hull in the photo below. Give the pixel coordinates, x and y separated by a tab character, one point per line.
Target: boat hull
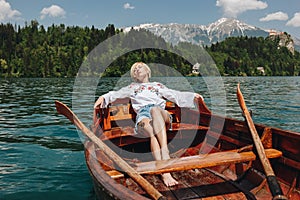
232	180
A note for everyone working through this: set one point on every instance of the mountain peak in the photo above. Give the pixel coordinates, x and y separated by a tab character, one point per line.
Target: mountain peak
201	34
230	26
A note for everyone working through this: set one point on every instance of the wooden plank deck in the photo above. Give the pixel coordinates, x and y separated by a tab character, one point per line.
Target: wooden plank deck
193	184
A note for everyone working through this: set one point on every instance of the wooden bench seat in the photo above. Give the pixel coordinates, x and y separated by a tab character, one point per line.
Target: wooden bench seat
129	131
121	111
195	162
184	126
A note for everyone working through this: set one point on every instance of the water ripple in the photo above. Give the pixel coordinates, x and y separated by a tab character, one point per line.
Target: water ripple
42	154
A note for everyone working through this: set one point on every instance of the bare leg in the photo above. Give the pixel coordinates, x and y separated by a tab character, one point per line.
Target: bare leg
158	139
154	145
159	119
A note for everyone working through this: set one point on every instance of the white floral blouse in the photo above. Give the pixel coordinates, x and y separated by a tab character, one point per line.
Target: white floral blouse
142	94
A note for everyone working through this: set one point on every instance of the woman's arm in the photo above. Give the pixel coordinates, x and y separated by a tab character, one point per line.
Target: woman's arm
100	102
111	96
198	96
182	99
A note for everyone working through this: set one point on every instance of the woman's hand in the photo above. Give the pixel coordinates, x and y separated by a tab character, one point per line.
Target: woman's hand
99	102
198	96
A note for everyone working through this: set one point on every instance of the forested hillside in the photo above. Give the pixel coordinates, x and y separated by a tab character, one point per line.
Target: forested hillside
244	56
58	51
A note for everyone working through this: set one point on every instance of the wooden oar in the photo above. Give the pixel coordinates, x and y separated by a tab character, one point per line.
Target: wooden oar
67	112
271	178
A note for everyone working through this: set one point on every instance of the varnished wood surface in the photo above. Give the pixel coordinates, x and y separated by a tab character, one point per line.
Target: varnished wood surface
195	162
198	183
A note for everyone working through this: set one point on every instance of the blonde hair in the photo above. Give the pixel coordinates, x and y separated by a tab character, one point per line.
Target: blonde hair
135	65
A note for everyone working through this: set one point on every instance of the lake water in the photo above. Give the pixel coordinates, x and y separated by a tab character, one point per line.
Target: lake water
41	154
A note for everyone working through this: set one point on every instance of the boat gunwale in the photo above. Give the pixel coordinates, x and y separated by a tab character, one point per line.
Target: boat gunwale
275	131
116	190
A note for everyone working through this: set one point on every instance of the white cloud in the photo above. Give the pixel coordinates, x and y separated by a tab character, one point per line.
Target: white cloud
6	12
281	16
295	21
128	6
232	8
53	11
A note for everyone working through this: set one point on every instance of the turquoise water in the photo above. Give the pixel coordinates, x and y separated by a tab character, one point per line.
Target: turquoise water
41	154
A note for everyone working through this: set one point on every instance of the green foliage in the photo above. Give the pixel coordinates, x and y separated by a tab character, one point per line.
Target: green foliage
59	51
238	56
33	51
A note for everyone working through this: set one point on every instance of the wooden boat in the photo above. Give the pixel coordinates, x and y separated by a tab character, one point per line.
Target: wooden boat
219	162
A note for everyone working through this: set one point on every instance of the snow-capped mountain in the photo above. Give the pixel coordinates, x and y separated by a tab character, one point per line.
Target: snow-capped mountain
201	34
225	27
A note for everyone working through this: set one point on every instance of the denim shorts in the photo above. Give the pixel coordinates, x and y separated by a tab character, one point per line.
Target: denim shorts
144	112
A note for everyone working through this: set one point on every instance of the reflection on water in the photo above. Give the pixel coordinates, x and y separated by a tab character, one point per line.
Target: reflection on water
42	155
45	141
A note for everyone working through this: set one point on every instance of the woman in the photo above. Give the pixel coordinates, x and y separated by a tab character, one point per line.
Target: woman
147	99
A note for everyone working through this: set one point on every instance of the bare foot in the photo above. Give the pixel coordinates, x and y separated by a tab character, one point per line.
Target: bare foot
168	180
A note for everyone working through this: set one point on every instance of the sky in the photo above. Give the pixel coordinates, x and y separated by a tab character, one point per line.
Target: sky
281	15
